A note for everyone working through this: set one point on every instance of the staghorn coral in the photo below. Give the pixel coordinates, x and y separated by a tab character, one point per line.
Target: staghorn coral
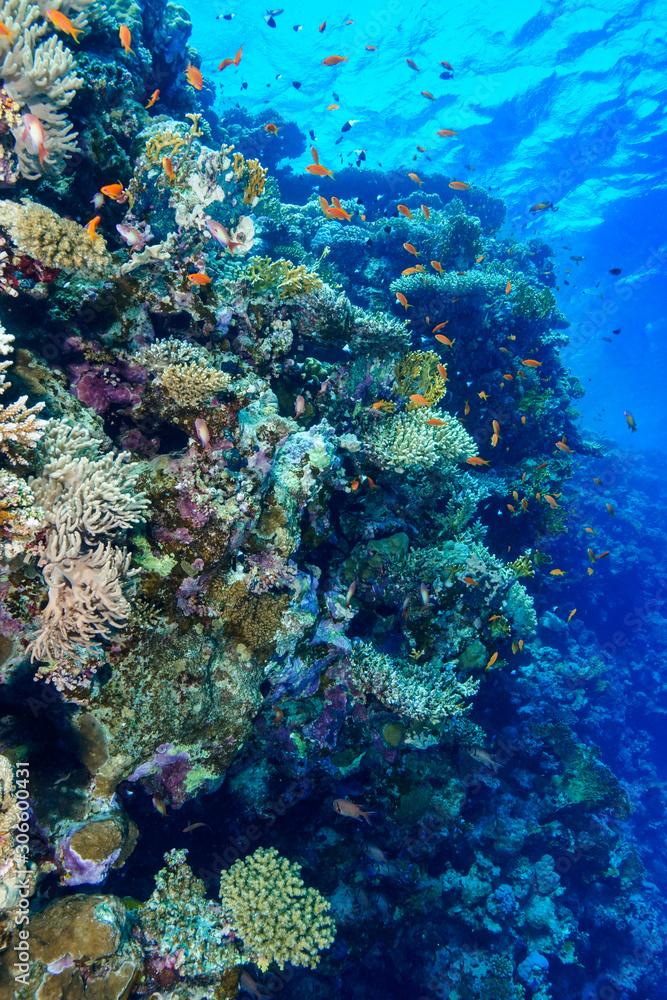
39	75
270	909
405	440
263	273
417	372
191	384
19	424
418	690
56	242
88	501
255	183
181	928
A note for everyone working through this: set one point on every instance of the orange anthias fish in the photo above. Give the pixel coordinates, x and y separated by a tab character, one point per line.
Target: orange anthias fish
125	36
466	408
318	170
194	77
442	372
478	260
324	205
409	270
114	191
416	179
346	808
322	27
232	62
428	94
153	98
4	30
446	133
315	155
557	572
476	460
508	288
571	614
440	337
332	107
404	210
531	363
426	212
470	581
437	266
483	395
491	661
459	185
412	65
63	23
563	447
418	399
333	60
168	167
371	48
336	212
91	228
404	302
610	508
440	326
199	279
272	128
434	422
409	247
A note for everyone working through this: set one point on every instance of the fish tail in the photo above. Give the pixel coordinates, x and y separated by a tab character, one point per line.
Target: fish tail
75	32
366	815
42	152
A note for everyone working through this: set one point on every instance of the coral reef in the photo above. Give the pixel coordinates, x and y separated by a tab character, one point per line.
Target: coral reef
277	918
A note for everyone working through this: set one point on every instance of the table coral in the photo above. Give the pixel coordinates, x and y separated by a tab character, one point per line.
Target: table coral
278	919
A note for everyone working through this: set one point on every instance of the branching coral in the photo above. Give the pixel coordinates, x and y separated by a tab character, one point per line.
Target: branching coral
19	425
20	519
192	384
417	372
263	273
39	74
183	928
405	440
88	502
278	919
56	242
420	691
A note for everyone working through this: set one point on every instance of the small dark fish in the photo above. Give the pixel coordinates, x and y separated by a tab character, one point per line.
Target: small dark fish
577	258
297	27
608	339
296	84
615	270
335	95
227	17
346	127
446	76
616	331
244	85
312	131
412	65
565	281
275	13
271	23
362	154
339	139
369	243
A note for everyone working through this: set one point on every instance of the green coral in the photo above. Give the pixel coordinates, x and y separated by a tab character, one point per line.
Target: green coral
585	779
263	274
418	690
417	372
179	920
278	919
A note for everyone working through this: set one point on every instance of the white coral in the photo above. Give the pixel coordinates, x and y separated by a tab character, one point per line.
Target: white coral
19	424
38	71
407	440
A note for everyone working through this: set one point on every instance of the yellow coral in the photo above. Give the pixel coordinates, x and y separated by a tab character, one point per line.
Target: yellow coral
417	372
256	182
523	566
56	242
264	273
278	919
192	384
164	144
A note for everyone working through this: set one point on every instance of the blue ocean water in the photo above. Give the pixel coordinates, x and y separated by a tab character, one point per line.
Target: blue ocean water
511	851
552	102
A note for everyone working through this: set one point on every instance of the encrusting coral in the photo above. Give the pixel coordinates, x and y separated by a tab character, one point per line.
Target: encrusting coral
56	242
273	913
19	425
38	73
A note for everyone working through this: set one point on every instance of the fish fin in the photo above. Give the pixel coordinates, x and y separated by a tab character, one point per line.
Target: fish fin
366	815
42	153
